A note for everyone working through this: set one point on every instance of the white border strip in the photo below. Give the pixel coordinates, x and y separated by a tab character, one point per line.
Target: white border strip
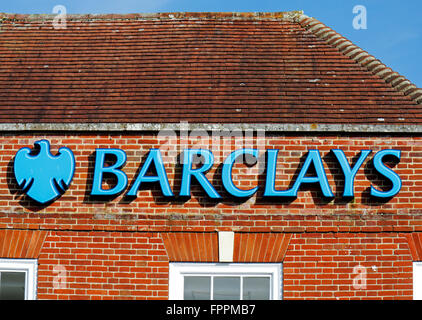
225	246
417	280
267	127
177	271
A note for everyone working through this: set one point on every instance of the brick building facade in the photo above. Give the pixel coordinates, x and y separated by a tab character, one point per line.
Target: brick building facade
218	82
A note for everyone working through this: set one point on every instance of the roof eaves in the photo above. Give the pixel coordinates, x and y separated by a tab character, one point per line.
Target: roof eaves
364	59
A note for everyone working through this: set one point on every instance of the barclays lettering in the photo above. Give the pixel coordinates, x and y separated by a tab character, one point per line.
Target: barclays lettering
44	177
313	159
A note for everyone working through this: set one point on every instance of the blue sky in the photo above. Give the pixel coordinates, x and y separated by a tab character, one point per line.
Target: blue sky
393	34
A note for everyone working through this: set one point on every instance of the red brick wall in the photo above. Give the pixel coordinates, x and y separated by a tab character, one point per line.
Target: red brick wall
102	265
100	242
348	266
129	265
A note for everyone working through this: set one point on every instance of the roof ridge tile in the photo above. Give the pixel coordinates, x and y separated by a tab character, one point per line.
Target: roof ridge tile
361	57
290	16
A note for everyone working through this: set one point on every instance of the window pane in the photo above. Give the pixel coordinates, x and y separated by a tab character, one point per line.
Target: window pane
197	288
12	286
256	288
226	288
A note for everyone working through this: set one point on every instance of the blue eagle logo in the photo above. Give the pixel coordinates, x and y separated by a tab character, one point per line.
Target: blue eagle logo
42	176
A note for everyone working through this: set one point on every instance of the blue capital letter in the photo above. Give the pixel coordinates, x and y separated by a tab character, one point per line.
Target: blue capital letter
197	173
386	172
161	177
227	173
97	189
270	176
349	174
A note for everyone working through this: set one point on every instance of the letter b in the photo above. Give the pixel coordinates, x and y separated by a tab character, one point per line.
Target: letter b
100	169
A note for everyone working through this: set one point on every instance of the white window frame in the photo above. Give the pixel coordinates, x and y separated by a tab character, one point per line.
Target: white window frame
29	267
417	280
178	270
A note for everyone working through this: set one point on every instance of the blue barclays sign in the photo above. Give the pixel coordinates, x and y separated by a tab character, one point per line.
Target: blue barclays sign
313	160
44	177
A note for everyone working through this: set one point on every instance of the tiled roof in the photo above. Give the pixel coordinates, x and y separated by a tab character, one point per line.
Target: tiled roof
196	67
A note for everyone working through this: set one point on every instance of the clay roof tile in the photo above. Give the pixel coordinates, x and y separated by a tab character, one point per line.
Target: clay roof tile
279	67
